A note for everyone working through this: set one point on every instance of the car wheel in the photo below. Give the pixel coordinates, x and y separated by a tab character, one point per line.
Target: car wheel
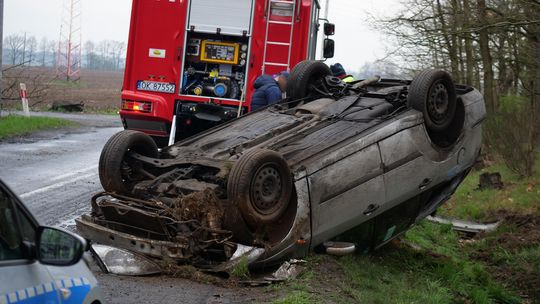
433	93
307	79
261	185
116	171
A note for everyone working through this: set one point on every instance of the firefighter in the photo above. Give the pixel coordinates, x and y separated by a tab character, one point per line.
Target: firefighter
339	72
269	90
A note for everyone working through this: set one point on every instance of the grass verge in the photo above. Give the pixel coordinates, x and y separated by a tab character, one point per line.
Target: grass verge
14	125
435	264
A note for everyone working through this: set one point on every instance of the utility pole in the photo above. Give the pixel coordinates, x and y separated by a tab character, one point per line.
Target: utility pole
1	48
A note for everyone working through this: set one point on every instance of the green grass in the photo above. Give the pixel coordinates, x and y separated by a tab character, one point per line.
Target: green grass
113	111
296	297
440	272
445	267
14	125
299	290
470	203
241	270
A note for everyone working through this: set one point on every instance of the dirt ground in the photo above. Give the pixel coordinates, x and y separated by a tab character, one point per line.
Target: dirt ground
98	90
524	232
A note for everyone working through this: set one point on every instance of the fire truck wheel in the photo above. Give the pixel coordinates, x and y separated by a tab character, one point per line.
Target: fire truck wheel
261	185
117	172
306	78
433	93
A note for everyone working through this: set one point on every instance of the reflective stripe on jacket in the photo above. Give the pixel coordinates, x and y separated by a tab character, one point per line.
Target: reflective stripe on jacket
348	79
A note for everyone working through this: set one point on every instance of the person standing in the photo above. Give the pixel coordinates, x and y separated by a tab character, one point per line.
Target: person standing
269	90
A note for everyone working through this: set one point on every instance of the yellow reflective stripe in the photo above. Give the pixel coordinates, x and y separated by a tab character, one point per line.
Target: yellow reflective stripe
348	79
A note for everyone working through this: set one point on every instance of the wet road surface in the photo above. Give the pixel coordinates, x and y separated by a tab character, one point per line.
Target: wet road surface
56	173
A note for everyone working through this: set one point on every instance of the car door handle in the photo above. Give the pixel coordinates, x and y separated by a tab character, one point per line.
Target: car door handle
424	184
370	209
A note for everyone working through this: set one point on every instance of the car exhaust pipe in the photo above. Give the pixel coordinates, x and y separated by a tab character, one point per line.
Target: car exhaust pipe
366	82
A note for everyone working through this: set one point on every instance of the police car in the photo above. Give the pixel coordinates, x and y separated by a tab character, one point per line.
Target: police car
40	264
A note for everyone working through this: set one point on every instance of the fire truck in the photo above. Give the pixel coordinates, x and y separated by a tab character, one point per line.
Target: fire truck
192	64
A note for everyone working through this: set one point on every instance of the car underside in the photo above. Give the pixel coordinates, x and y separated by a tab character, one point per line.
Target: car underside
376	155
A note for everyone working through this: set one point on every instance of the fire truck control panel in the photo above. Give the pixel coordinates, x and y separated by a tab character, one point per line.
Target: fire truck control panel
215	66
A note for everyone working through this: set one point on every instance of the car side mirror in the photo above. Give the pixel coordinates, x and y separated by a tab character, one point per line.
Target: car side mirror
329	29
328	48
59	248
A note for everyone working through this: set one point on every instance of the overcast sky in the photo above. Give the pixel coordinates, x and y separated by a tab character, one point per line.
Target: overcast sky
356	43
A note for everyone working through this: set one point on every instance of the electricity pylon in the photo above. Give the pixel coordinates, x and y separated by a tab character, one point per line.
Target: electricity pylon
69	56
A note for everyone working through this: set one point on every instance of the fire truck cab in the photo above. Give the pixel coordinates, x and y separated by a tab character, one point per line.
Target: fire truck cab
191	64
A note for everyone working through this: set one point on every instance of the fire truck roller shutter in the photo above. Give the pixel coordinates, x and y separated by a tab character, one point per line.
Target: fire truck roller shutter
231	17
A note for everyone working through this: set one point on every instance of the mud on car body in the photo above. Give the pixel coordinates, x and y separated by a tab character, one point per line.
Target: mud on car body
375	155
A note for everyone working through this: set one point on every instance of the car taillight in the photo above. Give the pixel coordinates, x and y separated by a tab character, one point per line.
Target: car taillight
139	106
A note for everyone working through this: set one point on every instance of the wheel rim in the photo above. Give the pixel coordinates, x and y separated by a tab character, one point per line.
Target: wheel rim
438	103
267	189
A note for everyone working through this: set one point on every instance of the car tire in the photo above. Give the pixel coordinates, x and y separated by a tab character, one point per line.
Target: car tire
112	159
303	76
261	186
433	93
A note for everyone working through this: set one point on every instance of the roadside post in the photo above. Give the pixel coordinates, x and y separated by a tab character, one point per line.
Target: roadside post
24	99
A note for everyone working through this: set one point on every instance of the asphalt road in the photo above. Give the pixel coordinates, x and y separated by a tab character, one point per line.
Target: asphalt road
55	173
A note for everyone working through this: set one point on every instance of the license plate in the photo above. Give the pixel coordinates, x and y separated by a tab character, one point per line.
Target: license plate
152	86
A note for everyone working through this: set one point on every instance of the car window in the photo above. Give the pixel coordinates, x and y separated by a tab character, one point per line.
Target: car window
28	230
10	240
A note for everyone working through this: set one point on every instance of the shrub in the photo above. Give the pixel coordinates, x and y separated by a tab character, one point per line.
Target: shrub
513	133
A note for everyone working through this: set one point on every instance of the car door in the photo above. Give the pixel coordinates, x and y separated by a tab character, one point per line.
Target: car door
22	278
346	193
408	173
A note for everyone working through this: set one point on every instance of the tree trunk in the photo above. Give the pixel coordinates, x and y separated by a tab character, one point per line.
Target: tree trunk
534	72
449	39
469	53
487	60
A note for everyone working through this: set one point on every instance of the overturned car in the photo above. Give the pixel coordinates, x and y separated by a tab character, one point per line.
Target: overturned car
376	156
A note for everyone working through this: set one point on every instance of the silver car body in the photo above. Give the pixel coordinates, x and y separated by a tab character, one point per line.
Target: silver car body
347	172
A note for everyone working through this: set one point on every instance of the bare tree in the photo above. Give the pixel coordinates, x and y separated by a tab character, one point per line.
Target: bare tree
90	53
492	44
117	51
30	49
53	49
14	44
485	53
43	49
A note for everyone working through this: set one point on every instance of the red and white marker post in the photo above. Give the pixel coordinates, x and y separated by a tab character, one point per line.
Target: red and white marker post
24	99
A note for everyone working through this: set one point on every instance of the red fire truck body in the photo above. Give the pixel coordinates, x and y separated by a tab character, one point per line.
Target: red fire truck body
192	64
